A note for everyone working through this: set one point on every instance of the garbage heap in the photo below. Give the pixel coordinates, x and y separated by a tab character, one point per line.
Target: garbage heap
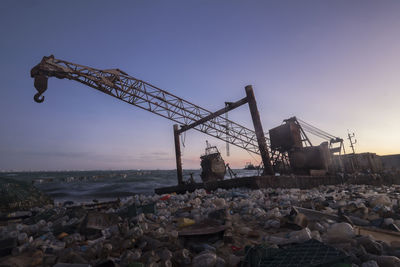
17	195
349	225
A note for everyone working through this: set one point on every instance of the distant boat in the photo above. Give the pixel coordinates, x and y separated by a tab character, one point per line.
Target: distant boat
250	166
212	165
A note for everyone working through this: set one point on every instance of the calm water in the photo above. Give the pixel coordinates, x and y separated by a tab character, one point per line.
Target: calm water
84	186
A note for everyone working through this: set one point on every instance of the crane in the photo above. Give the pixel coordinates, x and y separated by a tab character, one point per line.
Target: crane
119	84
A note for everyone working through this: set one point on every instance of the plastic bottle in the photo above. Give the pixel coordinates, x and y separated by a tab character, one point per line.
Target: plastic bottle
220	262
13	234
57	245
164	254
19	214
72	221
183	256
20	227
341	230
95	241
22	238
137	232
18	250
204	259
72	238
300	236
110	231
160	232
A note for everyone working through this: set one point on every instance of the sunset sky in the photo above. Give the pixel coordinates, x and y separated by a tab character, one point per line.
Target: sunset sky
334	64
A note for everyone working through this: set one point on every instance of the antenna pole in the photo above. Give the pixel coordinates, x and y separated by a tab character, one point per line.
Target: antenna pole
350	136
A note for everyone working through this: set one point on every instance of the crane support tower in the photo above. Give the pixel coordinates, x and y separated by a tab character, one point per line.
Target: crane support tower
119	84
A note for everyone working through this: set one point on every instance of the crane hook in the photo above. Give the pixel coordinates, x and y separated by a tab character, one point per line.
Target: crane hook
41	86
37	98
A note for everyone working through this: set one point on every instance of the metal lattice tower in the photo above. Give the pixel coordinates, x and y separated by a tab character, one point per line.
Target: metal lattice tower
120	85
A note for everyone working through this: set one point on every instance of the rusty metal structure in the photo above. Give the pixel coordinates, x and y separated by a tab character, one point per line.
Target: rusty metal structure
119	84
292	150
289	149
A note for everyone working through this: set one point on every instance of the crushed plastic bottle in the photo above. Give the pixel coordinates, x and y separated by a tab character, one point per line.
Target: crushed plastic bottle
204	259
341	230
300	236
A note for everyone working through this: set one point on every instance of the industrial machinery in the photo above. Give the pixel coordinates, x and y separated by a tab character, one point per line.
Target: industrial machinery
293	151
288	150
119	84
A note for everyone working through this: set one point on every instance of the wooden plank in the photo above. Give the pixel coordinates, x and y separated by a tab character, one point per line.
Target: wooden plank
379	234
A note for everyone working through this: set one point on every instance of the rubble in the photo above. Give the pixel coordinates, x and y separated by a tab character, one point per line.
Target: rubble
204	228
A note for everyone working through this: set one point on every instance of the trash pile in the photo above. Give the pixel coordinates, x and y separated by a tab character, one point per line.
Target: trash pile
342	225
17	195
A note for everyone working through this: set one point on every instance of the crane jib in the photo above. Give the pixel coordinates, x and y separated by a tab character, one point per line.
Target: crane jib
118	84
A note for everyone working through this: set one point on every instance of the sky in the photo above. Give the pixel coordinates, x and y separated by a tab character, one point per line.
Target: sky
334	64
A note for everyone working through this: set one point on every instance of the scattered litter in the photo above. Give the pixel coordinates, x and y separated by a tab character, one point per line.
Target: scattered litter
341	224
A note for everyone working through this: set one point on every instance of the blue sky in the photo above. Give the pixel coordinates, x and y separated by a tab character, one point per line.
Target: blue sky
334	64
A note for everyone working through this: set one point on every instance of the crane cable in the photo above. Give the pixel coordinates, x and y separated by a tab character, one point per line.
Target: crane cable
316	131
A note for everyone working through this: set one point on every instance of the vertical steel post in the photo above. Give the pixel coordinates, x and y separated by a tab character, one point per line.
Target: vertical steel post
262	144
178	155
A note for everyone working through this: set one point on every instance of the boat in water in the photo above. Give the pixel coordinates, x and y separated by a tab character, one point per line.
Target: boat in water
212	165
250	166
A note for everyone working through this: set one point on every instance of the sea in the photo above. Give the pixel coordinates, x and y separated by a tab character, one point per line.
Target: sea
88	186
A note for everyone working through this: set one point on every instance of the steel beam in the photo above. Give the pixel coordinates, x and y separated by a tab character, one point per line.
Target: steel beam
178	155
228	107
262	143
141	94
